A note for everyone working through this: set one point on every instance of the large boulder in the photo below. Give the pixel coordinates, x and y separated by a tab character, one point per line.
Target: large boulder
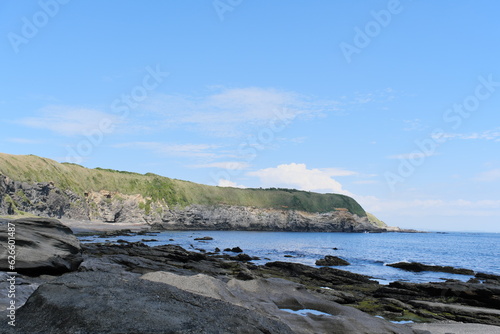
42	246
97	302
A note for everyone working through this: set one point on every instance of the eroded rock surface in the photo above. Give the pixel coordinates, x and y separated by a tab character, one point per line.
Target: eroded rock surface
97	302
273	295
42	246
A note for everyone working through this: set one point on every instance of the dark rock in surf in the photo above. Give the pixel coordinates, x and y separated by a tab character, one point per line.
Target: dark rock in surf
330	260
234	250
418	267
204	239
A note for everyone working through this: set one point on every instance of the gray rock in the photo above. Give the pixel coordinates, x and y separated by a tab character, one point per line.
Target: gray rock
330	260
42	246
93	302
461	312
454	328
271	296
323	276
418	267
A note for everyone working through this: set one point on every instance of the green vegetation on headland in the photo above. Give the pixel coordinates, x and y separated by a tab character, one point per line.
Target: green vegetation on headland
174	192
375	220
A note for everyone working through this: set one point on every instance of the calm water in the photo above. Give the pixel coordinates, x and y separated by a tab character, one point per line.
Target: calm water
366	252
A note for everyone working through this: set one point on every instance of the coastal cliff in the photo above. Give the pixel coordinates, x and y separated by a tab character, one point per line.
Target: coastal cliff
31	185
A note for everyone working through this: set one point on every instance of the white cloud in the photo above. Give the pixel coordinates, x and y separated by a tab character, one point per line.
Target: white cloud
227	183
229	165
489	176
299	176
69	121
182	150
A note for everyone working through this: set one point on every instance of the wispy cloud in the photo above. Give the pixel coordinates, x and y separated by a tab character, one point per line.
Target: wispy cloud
231	112
489	176
377	96
229	165
430	207
181	150
413	155
415	124
67	120
493	135
366	182
26	141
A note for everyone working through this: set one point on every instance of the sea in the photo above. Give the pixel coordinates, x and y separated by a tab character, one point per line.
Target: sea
368	253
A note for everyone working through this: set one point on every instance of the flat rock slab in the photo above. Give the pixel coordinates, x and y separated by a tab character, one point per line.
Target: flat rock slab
460	309
42	246
271	296
456	328
94	302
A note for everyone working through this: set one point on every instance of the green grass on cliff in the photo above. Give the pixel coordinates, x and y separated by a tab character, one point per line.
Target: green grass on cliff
375	220
175	192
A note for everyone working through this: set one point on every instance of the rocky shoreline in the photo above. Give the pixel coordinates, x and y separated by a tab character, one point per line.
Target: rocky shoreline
131	288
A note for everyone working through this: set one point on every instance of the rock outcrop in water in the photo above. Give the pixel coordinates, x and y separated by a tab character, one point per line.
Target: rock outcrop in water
47	200
418	267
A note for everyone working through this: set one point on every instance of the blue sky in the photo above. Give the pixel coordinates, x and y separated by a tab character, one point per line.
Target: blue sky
395	103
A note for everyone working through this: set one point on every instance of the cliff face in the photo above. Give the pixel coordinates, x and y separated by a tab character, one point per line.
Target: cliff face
256	219
46	200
